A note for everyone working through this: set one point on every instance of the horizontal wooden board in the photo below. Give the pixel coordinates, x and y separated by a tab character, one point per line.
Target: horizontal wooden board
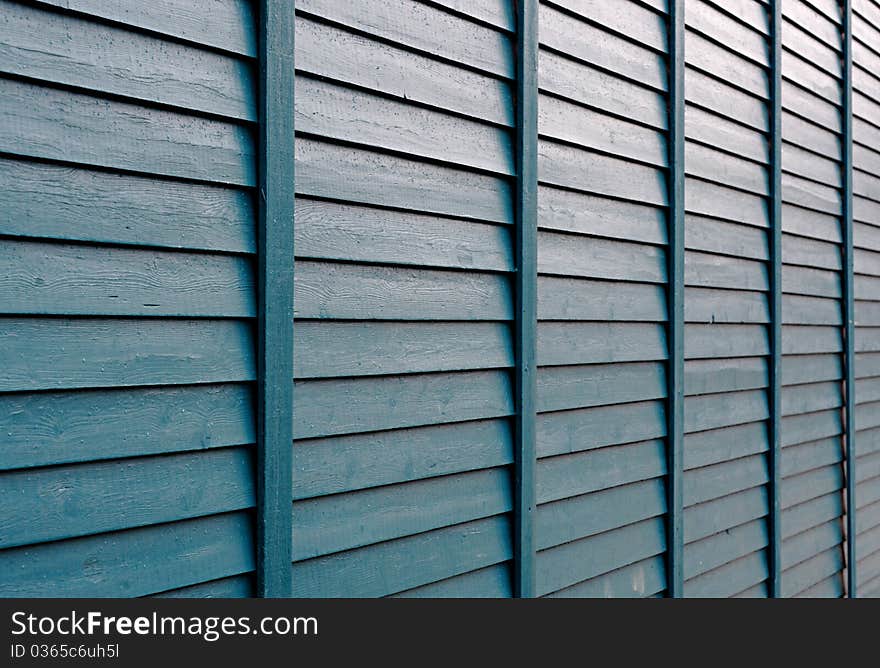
813	224
722	29
344	173
575	255
812	571
564	432
345	463
809	106
583	472
229	25
576	80
83	353
718	271
350	115
720	306
712	517
810	398
807	456
811	485
324	290
721	98
328	51
62	125
597	300
587	515
490	582
582	213
623	17
237	586
718	480
336	231
706	448
565	343
427	29
566	166
729	579
814	512
324	350
806	310
136	562
563	121
401	564
714	551
703	341
79	52
816	139
60	427
640	579
808	544
816	22
711	129
62	279
347	406
565	387
51	504
725	238
718	201
574	562
590	44
728	65
341	522
811	339
712	411
809	281
810	426
806	164
494	12
799	369
57	202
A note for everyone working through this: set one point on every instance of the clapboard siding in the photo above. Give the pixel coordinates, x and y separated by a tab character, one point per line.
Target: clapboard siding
602	264
727	341
404	299
128	142
811	494
129	156
866	261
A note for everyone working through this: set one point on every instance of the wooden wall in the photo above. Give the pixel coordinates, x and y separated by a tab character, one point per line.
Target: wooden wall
129	158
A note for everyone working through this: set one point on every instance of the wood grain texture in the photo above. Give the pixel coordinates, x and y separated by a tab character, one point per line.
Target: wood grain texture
79	52
59	427
57	202
229	25
405	563
56	279
80	353
55	124
427	29
327	51
51	504
136	562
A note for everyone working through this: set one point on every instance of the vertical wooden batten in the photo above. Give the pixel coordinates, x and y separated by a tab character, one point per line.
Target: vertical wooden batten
848	304
526	294
775	366
675	377
275	302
